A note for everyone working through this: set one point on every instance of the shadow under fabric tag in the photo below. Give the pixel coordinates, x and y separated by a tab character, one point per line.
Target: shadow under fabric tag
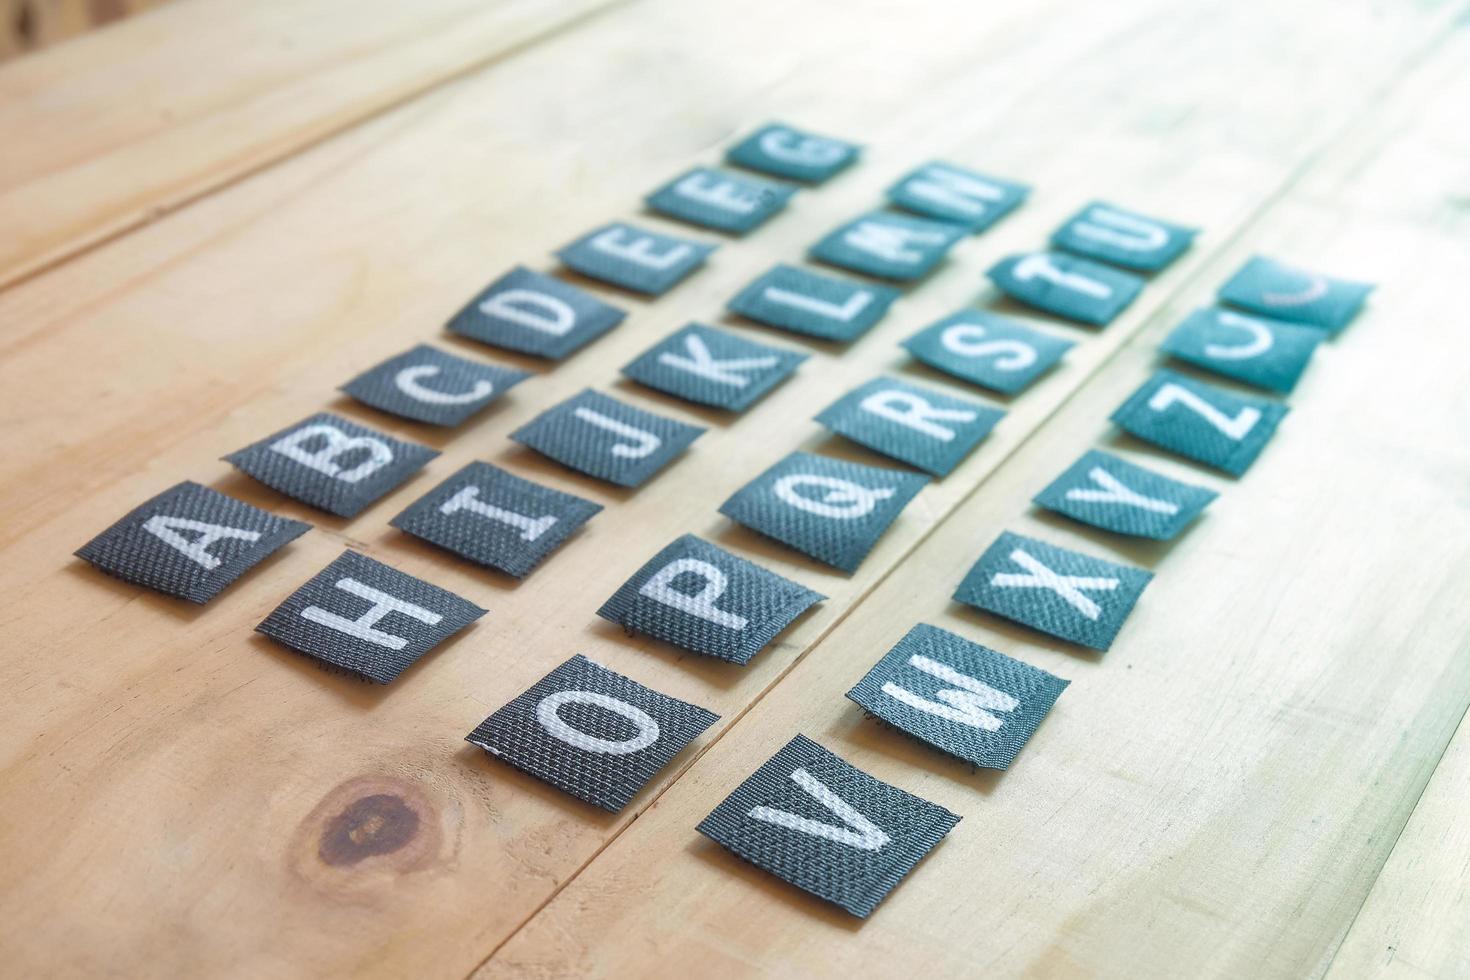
888	245
600	436
366	618
713	367
630	257
189	541
1200	421
1074	288
1122	237
785	151
720	200
428	385
533	313
986	349
1107	492
816	822
957	194
589	732
1269	354
812	304
1286	292
699	597
919	426
969	701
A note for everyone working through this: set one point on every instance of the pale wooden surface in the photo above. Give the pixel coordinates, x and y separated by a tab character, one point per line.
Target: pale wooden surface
1215	796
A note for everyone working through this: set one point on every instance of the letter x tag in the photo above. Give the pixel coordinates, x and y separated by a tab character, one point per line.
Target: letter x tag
1285	292
1125	238
492	518
815	822
812	304
1065	593
1200	421
1107	492
702	598
363	617
600	436
918	426
888	245
189	541
785	151
532	313
332	464
592	733
428	385
1056	282
713	367
832	510
992	351
960	697
720	199
643	261
965	197
1269	354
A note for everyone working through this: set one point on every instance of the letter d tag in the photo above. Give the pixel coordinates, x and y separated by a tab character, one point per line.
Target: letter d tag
919	426
533	313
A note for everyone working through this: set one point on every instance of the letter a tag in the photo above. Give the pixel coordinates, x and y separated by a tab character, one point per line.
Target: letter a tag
532	313
713	367
1111	493
1125	238
600	436
919	426
428	385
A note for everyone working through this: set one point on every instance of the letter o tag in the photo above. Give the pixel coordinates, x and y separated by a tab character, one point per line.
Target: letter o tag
547	714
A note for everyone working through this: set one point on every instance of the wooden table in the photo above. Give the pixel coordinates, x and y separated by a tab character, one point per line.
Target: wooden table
218	212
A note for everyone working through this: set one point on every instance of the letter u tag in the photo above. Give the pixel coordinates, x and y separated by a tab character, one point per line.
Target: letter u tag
1123	238
604	438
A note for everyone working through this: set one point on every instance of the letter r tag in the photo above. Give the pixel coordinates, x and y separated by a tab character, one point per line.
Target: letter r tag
919	426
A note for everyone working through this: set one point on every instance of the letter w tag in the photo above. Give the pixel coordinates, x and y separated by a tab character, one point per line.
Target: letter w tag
713	367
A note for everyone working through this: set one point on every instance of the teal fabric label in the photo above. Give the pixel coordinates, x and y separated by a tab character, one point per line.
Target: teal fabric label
812	304
720	199
888	245
987	349
1269	354
919	426
1107	492
428	385
533	313
1287	292
1200	421
785	151
1125	238
630	257
950	193
1074	288
713	367
604	438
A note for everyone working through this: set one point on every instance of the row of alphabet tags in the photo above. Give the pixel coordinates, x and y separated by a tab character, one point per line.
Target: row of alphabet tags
601	736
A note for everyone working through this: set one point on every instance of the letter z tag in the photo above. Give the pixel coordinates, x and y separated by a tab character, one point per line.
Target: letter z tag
702	598
721	200
815	822
1200	421
713	367
1107	492
888	245
965	197
1286	292
592	733
1054	590
532	313
812	304
919	426
1074	288
603	438
992	351
643	261
1125	238
785	151
960	697
189	541
363	617
1269	354
428	385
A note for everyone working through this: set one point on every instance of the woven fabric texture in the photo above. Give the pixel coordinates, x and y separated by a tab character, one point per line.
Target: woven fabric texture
604	438
1200	421
813	304
635	258
989	350
427	385
713	367
925	428
532	313
785	151
720	199
950	193
888	245
1088	292
1104	491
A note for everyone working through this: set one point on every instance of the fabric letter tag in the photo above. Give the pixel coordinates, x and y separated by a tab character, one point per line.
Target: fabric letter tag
812	304
702	598
1107	492
815	822
428	385
832	510
888	245
368	619
918	426
713	367
189	541
532	313
965	197
1269	354
1065	593
600	436
643	261
592	733
1125	238
785	151
720	200
1286	292
1200	421
960	697
332	464
1077	289
988	350
486	515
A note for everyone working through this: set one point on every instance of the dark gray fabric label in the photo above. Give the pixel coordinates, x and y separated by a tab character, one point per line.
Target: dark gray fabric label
600	436
1269	354
1200	421
332	464
494	519
832	510
189	541
630	257
962	698
592	733
1056	282
1286	292
919	426
814	821
1121	237
428	385
1065	593
702	598
986	349
812	304
888	245
950	193
363	617
713	367
786	151
1107	492
536	314
720	199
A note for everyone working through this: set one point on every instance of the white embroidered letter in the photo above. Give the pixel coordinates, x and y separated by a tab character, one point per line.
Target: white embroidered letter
964	339
166	529
337	445
971	705
1040	266
644	443
531	309
1116	492
843	500
531	528
916	412
641	250
701	362
364	627
660	588
860	832
407	382
1120	230
1233	428
1259	343
549	718
1069	587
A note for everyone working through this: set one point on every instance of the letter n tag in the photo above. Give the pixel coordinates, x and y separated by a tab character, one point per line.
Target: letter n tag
713	367
428	385
489	517
816	822
720	199
363	617
1074	288
1125	238
888	245
627	256
812	304
592	733
1107	492
189	541
1269	354
919	426
600	436
960	697
992	351
1200	421
832	510
1065	593
950	193
785	151
533	313
702	598
332	464
1286	292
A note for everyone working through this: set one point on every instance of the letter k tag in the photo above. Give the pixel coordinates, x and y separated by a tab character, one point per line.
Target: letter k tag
713	367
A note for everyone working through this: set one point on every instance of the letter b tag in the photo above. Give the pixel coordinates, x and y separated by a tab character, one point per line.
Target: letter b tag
918	426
